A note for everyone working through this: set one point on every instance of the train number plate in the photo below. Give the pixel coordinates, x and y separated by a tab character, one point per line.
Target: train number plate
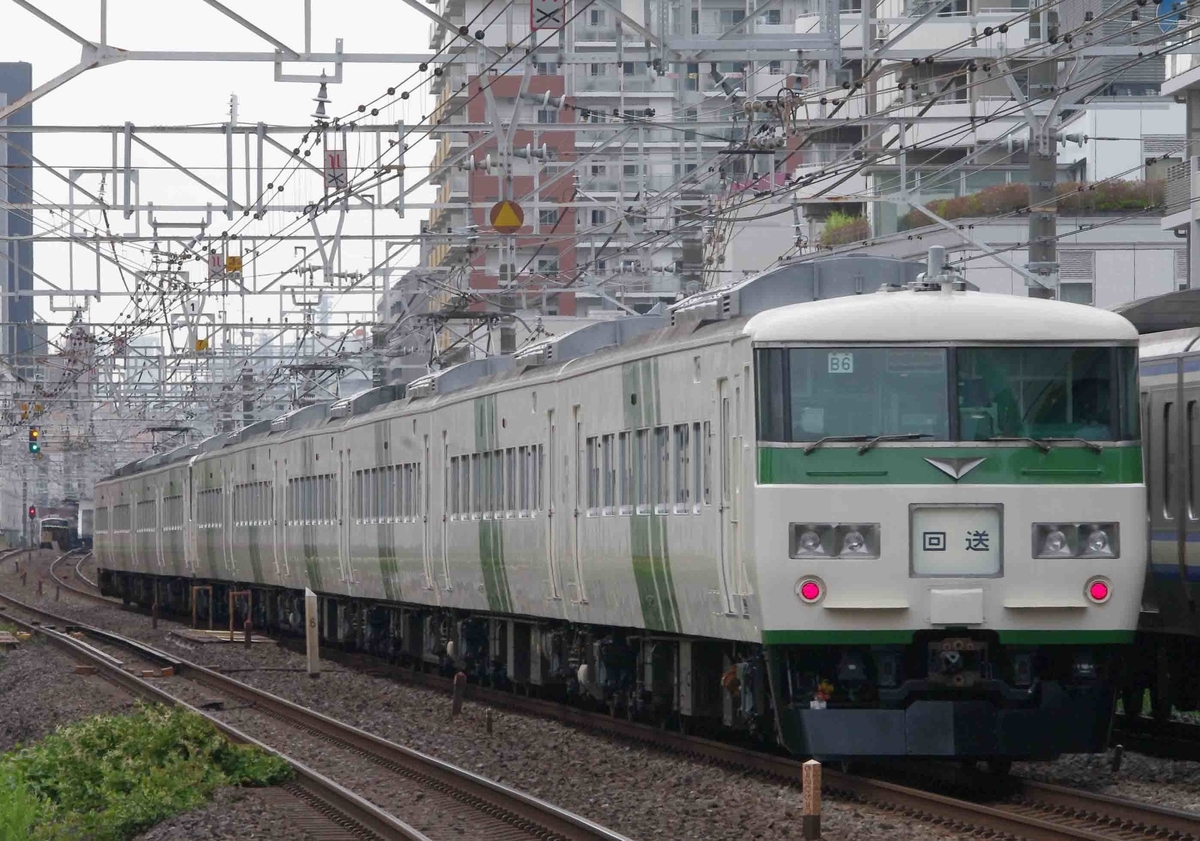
953	541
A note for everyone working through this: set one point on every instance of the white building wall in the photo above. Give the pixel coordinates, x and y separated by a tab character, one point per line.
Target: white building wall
1144	128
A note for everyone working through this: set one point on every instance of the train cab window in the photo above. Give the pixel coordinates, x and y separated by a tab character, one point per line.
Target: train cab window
1047	392
806	394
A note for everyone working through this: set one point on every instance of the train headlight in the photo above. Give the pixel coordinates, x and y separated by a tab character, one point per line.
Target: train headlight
1100	540
1051	540
1055	542
810	541
1076	540
834	540
853	541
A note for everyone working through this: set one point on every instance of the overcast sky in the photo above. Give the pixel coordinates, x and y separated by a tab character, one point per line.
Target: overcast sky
192	93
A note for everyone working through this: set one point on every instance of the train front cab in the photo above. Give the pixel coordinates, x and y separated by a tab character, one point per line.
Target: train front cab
931	592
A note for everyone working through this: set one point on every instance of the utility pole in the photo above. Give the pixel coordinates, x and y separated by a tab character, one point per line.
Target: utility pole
1043	173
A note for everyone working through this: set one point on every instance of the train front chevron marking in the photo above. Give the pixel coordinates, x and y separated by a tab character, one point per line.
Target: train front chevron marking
956	468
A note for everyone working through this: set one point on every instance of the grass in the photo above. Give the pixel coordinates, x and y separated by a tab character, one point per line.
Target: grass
109	777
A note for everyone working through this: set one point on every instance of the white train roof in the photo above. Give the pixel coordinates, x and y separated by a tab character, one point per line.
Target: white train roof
909	315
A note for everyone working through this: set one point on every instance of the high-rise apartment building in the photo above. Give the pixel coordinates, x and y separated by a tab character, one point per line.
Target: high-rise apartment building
17	341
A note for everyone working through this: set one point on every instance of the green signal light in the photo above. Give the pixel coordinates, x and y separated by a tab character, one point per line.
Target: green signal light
35	447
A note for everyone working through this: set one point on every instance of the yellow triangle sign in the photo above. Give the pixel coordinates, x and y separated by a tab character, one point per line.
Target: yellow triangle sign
507	217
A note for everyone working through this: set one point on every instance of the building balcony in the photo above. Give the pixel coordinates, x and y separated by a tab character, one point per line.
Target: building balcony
1183	182
629	84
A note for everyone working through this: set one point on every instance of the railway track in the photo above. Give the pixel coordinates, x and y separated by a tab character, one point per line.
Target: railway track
79	557
1017	808
1169	739
488	809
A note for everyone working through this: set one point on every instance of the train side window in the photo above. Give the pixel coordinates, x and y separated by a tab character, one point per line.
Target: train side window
511	474
522	488
707	463
661	477
1191	421
485	490
593	475
609	500
625	470
541	472
683	448
477	491
498	482
463	502
454	479
1169	466
641	470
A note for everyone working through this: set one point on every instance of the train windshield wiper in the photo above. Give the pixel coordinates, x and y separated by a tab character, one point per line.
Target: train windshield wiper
899	436
828	438
1091	445
1040	444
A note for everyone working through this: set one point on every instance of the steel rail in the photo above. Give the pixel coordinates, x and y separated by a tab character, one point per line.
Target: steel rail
1169	739
345	804
1045	813
534	815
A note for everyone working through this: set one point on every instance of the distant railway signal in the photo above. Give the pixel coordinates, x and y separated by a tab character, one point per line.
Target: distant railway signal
32	512
35	442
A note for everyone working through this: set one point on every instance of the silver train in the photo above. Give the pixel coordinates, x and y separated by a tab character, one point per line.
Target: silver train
832	506
1167	660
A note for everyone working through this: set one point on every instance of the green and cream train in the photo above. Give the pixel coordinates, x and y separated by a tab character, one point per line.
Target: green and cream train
899	522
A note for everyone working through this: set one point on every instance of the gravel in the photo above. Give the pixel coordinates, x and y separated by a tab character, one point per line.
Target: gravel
238	814
1165	782
41	692
631	788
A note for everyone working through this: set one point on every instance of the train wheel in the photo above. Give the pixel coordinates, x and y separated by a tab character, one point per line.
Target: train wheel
999	766
1132	698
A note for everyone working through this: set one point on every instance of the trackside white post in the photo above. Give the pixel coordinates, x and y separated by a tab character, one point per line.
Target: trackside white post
810	775
310	633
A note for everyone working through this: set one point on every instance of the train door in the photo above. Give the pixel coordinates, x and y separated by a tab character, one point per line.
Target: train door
133	529
724	486
227	518
273	513
159	512
1167	516
284	519
342	520
445	516
551	508
423	492
577	509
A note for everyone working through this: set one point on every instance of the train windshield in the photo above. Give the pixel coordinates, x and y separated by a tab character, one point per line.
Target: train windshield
947	394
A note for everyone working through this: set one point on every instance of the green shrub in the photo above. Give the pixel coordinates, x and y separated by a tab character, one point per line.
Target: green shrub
1073	197
841	228
109	777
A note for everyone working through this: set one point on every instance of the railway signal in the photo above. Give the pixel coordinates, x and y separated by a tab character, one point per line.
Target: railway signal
35	445
33	512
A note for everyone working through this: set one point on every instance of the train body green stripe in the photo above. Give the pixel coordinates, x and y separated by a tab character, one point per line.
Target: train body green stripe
649	548
1023	464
